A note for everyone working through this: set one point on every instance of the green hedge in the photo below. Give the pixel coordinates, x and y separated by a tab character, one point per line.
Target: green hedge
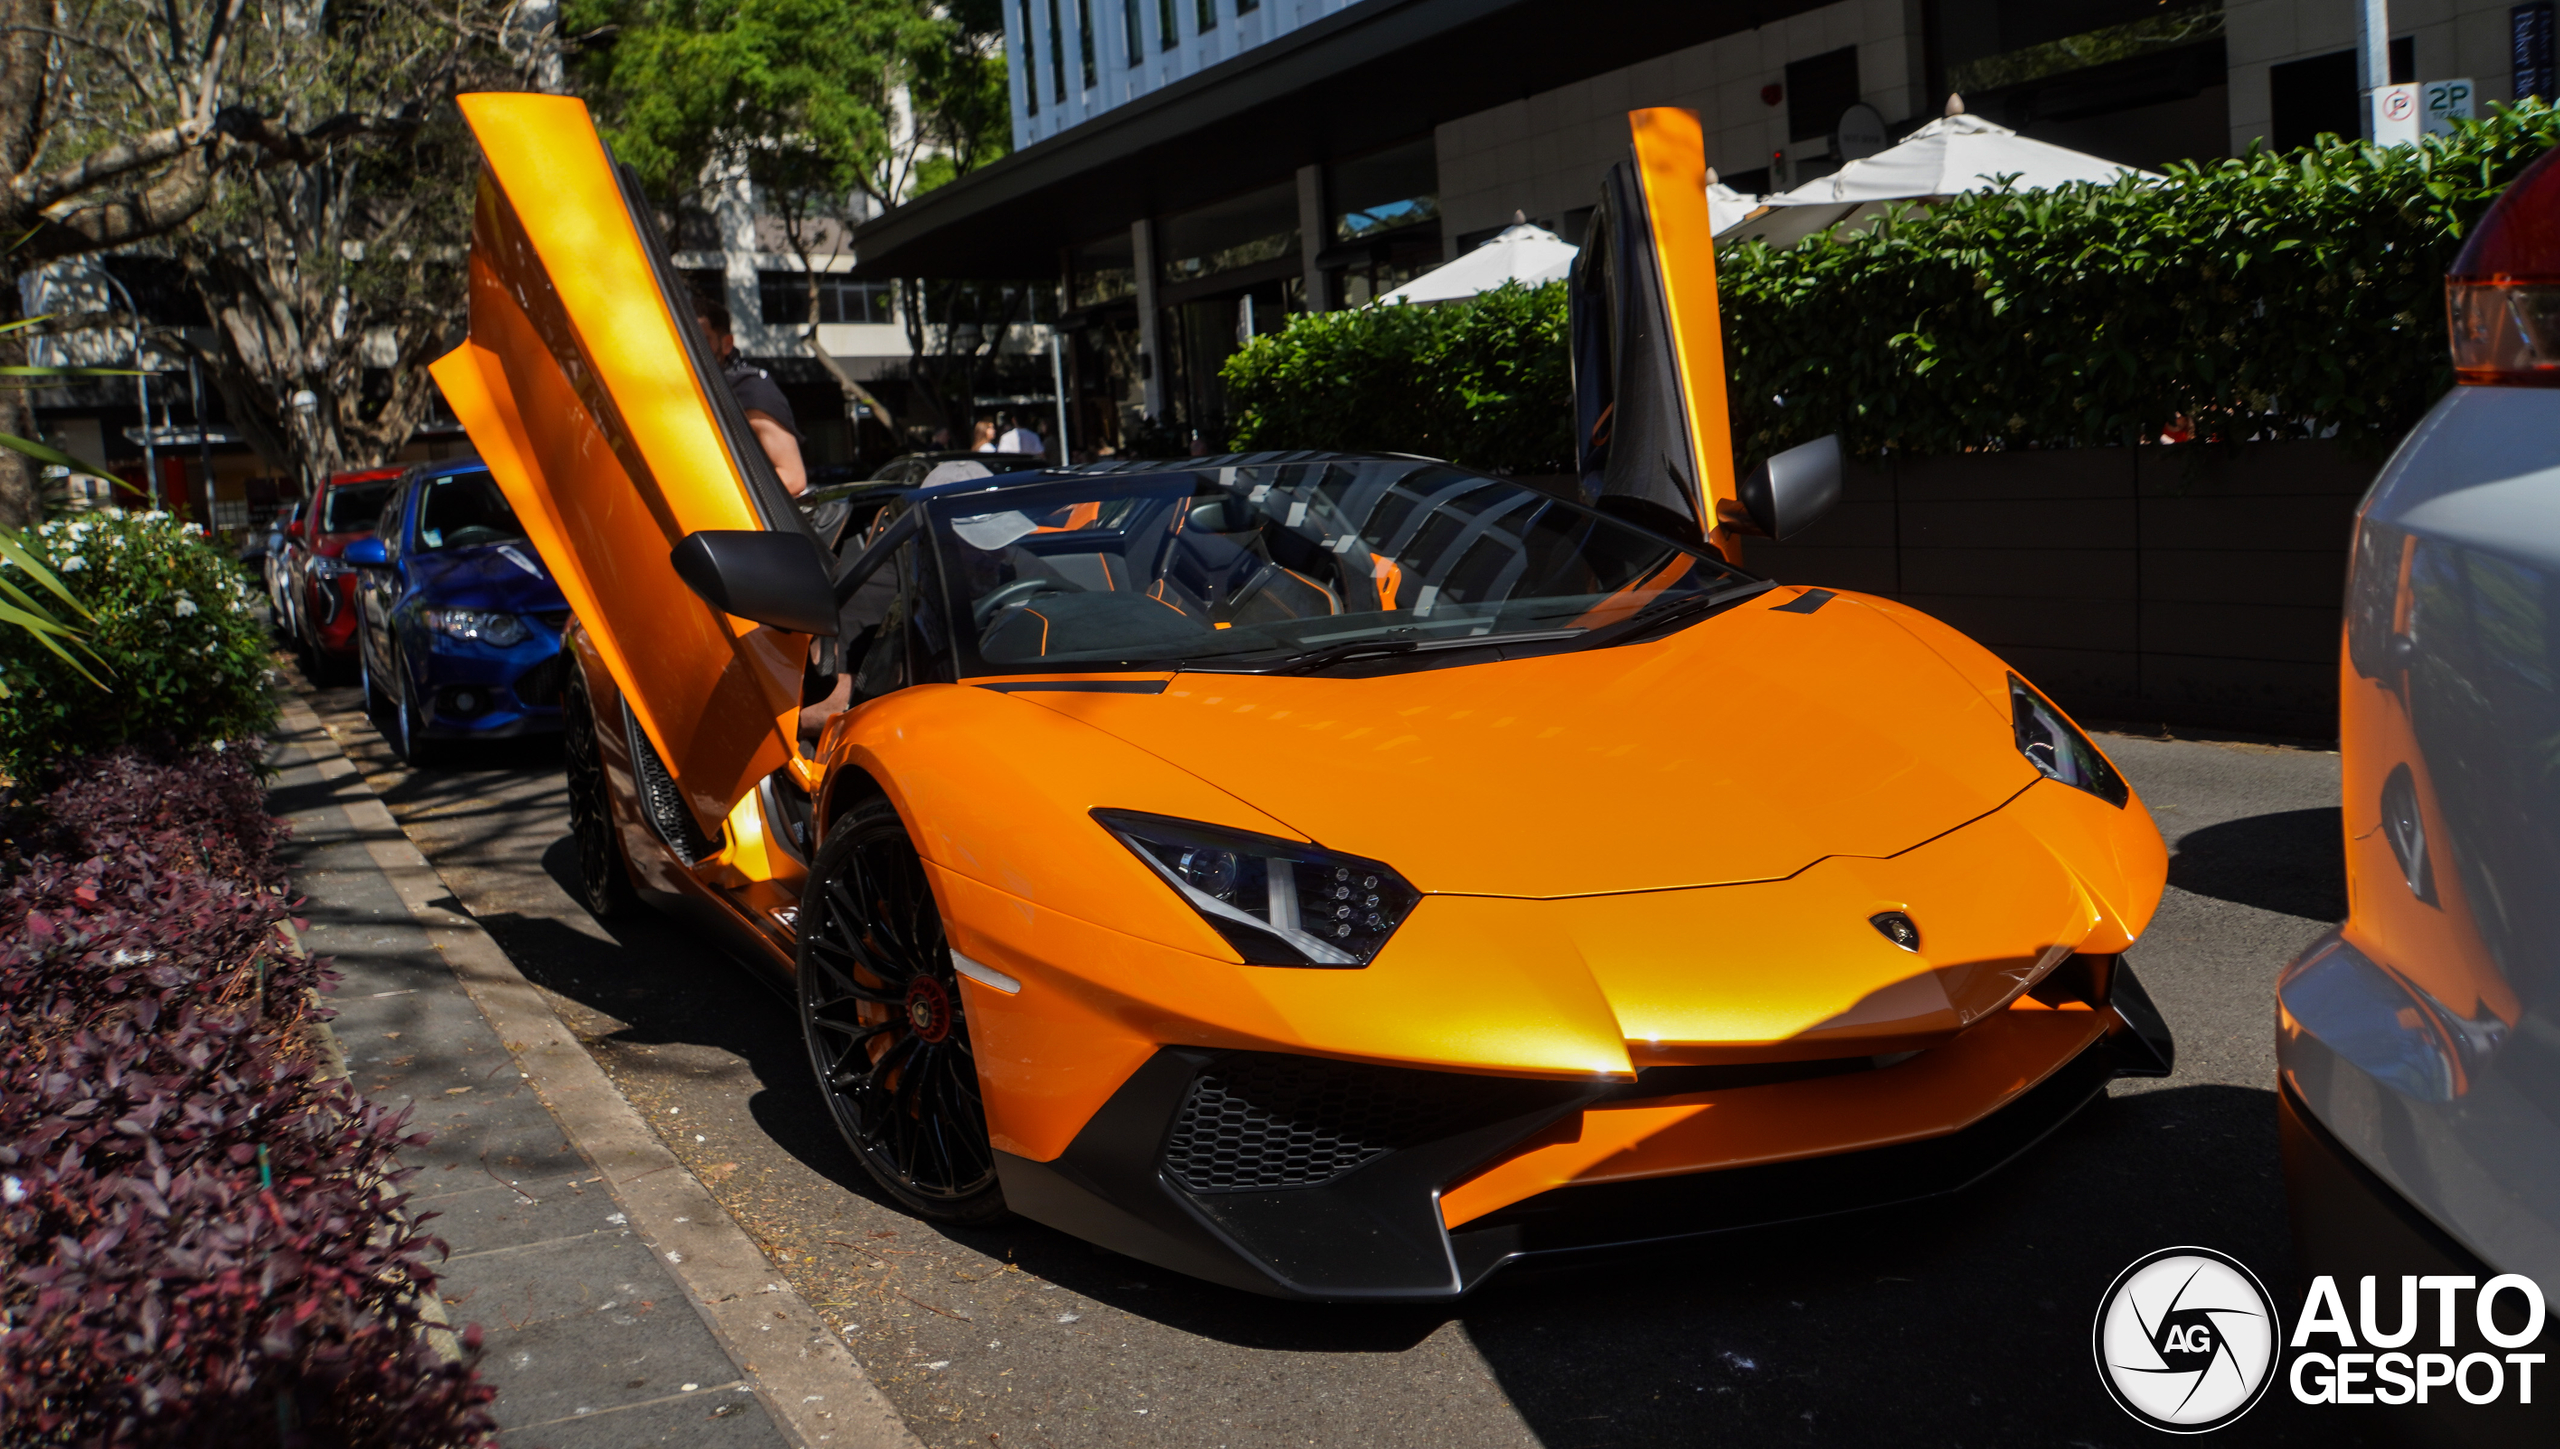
1487	383
186	658
2271	295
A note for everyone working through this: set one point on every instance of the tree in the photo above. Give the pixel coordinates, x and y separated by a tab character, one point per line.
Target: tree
829	110
331	258
111	113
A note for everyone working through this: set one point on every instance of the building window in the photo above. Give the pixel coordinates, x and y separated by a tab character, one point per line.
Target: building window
1137	41
1168	28
1386	191
1208	16
783	298
1102	271
2317	96
1254	229
1818	90
1084	41
1245	6
1057	55
1030	64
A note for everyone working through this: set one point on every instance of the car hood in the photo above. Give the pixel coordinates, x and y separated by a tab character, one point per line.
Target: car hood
494	577
1743	748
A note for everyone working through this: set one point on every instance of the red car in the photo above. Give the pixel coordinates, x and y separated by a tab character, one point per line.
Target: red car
322	586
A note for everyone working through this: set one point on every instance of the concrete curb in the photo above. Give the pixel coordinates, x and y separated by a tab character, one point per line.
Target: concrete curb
809	1381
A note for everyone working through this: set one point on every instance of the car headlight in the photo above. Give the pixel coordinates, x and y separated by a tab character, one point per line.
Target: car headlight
483	626
1278	902
2055	746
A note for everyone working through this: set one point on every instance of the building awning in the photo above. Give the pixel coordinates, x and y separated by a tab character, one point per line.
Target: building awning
1365	77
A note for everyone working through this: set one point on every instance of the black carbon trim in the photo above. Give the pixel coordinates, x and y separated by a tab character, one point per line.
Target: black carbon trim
1371	1231
1808	602
1571	1220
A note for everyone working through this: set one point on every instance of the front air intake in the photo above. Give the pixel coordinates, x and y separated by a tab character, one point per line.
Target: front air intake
1254	1121
660	800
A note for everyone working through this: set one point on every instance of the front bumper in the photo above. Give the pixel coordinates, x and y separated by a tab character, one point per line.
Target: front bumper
1303	1177
485	693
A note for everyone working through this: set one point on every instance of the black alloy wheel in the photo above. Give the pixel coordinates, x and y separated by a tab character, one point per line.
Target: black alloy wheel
604	877
880	1006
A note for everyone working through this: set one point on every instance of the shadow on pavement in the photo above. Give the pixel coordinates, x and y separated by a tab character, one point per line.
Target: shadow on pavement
1963	1320
671	984
2293	861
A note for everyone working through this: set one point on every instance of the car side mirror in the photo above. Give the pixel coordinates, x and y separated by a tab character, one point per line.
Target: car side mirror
771	577
1785	494
367	553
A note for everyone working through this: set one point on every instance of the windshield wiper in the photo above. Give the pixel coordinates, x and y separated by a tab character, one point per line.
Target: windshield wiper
1382	648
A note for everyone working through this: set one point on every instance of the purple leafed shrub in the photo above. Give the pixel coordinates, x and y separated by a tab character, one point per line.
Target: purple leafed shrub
202	810
201	1242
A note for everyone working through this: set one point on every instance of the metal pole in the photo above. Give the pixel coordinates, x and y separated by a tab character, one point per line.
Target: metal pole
141	385
1058	386
204	436
2373	56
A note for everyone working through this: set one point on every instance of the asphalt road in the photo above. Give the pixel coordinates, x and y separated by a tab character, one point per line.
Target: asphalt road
1964	1321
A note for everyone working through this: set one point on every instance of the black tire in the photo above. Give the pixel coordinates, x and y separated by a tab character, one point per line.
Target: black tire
409	724
374	700
880	1008
604	874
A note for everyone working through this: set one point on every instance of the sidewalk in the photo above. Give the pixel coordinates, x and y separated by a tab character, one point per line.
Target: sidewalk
575	1237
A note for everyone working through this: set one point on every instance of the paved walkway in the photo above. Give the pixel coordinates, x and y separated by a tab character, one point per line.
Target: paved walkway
562	1247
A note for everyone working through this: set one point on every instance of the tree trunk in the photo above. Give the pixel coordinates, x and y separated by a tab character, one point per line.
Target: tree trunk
21	498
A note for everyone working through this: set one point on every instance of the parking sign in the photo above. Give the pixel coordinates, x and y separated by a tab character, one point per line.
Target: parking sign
2441	103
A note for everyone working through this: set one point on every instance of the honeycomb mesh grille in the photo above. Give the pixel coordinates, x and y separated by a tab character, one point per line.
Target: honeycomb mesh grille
540	685
1256	1121
660	800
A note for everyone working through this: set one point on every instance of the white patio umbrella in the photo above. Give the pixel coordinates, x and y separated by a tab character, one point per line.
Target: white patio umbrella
1953	154
1727	208
1529	255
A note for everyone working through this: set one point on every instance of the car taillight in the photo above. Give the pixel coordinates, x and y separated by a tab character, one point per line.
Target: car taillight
2502	298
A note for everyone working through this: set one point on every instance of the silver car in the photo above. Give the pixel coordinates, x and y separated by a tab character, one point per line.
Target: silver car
2419	1043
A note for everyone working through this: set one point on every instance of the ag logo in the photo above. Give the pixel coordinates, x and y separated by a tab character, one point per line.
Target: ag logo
2186	1340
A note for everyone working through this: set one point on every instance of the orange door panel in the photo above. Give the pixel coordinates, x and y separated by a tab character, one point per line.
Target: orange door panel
593	403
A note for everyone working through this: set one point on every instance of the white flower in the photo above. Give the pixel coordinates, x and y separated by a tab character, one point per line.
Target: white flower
12	1190
185	606
217	747
73	563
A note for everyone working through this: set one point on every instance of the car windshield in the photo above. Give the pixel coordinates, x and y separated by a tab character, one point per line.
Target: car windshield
1293	565
465	510
353	507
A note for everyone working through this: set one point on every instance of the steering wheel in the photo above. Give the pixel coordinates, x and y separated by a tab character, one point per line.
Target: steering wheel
1019	591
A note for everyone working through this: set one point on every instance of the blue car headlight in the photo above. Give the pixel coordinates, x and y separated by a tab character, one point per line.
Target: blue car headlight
2055	746
1278	902
480	626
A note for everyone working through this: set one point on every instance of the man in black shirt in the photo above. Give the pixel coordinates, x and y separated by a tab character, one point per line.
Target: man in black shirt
768	412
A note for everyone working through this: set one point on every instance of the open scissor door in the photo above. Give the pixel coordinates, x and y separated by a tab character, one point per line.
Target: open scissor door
589	391
1648	347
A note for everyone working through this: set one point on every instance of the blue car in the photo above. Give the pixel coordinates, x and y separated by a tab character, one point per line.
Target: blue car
461	631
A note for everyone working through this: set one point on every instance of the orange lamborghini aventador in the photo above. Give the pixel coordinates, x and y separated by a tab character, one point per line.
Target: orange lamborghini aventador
1332	876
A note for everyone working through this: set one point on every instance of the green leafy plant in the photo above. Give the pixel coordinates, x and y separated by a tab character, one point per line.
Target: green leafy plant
166	612
2270	295
2267	296
1484	383
22	611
